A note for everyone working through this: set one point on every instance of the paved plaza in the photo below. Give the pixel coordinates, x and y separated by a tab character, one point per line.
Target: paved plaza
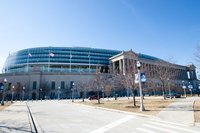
64	116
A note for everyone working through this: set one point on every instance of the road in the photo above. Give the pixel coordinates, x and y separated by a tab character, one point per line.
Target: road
62	116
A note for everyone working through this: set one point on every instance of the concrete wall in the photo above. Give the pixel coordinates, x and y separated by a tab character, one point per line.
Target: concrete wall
44	81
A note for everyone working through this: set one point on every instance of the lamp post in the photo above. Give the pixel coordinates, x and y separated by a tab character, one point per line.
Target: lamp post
40	94
190	87
2	102
58	92
140	86
23	91
72	88
169	89
13	87
184	87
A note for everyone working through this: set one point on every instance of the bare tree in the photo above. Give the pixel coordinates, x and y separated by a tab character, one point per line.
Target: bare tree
18	90
164	71
81	86
128	79
108	89
129	82
97	83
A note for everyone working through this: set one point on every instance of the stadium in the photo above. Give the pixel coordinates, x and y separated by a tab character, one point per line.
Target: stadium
49	72
59	59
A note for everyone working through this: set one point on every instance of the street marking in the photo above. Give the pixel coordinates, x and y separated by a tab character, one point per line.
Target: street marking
170	122
145	130
161	129
179	128
112	125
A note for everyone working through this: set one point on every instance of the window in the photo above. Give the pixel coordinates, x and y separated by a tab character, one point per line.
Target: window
34	85
53	85
62	85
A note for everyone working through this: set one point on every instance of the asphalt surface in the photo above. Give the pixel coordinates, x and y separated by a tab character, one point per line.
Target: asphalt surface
65	116
180	111
15	119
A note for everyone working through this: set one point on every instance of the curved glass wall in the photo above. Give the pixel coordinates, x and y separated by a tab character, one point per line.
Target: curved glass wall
59	59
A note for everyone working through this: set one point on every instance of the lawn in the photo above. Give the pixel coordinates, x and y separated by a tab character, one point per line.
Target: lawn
153	105
197	111
6	104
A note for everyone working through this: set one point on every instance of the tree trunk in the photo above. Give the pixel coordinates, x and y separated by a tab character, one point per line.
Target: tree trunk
98	97
134	102
83	99
163	89
83	96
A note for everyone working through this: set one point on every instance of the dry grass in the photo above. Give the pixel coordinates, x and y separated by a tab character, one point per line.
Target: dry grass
5	106
197	111
152	105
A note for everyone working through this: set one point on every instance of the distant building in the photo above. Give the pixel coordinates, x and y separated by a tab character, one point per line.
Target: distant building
48	71
123	62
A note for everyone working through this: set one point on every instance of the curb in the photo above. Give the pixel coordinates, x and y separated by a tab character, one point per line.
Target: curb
115	110
34	121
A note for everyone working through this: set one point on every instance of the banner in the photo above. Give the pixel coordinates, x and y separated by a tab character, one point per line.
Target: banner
143	78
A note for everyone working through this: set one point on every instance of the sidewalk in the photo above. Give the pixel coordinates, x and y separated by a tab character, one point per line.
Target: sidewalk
15	119
180	111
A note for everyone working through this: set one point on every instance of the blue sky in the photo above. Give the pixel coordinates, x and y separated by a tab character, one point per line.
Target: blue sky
161	28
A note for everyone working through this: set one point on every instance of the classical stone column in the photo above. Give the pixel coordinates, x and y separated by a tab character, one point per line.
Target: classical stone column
113	65
120	66
128	65
124	67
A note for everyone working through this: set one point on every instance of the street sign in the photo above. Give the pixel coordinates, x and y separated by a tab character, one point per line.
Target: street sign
143	77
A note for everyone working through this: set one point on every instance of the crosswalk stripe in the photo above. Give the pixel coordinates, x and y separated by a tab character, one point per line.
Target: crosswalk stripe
112	125
170	122
161	129
175	127
145	130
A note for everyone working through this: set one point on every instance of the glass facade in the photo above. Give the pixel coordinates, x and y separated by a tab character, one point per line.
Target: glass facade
58	59
53	85
62	84
34	85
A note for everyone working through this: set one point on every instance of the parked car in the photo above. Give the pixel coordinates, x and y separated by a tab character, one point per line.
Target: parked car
174	95
94	97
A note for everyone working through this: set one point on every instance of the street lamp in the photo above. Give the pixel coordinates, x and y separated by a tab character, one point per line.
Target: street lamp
190	87
169	89
13	87
58	92
72	85
184	87
140	86
40	94
23	89
5	81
